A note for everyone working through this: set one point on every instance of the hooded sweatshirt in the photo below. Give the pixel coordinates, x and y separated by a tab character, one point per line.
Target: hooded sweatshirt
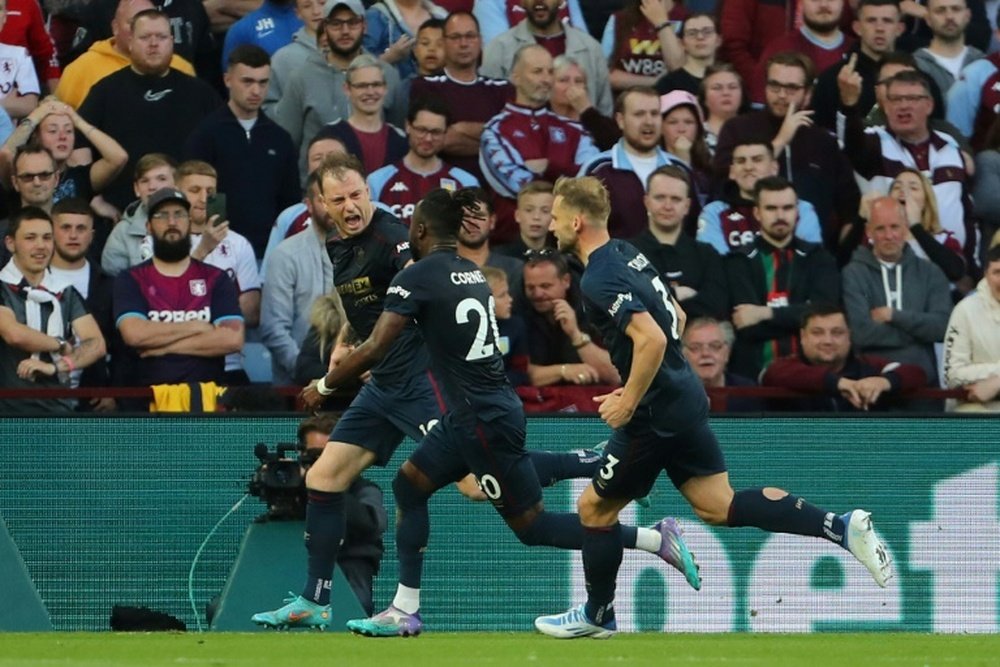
972	344
919	295
286	60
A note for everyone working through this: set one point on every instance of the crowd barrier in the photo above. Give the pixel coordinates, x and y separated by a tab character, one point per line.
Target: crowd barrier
109	511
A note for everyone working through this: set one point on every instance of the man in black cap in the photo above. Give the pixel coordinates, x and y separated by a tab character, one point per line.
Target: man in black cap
181	316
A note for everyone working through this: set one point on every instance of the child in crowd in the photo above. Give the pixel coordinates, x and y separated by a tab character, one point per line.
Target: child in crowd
513	339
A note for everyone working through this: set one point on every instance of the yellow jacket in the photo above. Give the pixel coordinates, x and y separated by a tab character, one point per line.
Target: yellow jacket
100	60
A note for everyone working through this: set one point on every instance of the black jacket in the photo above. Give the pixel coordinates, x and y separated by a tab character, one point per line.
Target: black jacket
258	170
807	274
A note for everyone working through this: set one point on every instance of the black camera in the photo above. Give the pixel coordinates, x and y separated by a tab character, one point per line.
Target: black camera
280	481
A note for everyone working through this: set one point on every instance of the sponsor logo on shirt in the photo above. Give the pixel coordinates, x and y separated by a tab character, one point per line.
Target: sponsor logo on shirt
617	305
639	262
204	314
396	289
402	247
264	27
150	96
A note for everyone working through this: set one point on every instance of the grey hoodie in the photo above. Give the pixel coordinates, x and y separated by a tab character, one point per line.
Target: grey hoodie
125	247
286	60
921	300
942	77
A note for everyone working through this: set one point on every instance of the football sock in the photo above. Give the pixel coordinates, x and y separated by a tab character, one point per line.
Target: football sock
553	529
790	514
407	599
646	539
602	556
555	466
413	528
325	526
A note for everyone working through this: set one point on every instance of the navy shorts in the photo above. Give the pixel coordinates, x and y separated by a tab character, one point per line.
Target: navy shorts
491	450
637	453
378	419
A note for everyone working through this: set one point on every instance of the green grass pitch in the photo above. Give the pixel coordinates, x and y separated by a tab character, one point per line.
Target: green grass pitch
500	649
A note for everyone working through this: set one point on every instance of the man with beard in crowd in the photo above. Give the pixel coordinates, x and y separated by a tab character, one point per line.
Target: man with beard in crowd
181	316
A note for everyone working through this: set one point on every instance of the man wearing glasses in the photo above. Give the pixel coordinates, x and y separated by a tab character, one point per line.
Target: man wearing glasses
35	180
820	39
907	140
470	98
403	183
808	156
35	177
364	133
180	316
316	93
701	41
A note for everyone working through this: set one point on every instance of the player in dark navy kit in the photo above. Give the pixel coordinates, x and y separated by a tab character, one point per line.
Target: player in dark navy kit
660	420
368	249
483	431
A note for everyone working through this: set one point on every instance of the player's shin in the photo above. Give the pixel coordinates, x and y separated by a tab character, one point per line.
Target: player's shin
325	526
412	533
784	514
602	556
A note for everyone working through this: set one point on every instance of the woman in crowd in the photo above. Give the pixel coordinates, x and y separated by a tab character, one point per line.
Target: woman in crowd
54	125
972	344
722	96
570	100
684	138
927	238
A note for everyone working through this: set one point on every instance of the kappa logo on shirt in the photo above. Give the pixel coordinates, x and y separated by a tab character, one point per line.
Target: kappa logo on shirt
150	96
198	287
518	134
399	186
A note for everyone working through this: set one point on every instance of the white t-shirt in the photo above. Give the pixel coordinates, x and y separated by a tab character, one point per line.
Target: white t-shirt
643	167
953	65
78	278
17	72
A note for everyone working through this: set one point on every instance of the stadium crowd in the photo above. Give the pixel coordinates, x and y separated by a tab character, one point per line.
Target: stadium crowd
818	182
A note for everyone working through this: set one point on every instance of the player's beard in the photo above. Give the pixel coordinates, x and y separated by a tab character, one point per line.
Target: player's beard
172	251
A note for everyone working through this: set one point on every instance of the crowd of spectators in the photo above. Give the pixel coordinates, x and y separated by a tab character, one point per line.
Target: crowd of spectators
816	181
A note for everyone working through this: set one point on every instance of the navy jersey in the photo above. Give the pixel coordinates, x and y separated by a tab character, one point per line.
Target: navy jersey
618	282
449	298
363	267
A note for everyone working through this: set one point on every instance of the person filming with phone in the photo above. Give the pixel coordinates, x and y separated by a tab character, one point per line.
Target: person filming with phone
213	242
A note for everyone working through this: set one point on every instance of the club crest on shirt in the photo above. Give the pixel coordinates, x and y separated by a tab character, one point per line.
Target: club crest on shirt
449	184
198	287
557	135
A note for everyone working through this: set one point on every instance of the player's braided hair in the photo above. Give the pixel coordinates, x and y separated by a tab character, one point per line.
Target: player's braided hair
443	212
